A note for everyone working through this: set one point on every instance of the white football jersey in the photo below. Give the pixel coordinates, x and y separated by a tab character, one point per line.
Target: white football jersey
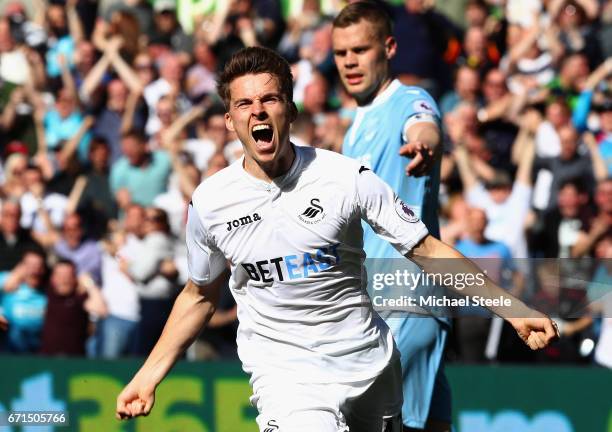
296	251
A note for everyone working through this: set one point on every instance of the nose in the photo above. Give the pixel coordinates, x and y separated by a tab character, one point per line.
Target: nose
350	60
257	109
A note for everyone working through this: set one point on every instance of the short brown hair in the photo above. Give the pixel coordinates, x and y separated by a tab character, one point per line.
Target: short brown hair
255	60
370	11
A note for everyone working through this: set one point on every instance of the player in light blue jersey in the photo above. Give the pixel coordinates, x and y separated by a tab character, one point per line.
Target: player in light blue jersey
392	120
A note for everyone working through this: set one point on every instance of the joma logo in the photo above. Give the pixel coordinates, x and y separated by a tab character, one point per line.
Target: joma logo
244	220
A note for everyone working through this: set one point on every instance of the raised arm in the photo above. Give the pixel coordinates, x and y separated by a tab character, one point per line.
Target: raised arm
74	21
466	173
600	170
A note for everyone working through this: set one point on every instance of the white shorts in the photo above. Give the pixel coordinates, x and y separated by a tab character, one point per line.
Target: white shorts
365	406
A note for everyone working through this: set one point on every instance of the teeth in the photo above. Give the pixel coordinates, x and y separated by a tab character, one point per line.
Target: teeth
261	127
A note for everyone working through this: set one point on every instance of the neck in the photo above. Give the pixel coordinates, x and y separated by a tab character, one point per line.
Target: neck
370	98
275	168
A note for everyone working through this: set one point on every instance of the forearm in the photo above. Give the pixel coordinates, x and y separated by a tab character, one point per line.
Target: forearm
192	309
427	133
436	257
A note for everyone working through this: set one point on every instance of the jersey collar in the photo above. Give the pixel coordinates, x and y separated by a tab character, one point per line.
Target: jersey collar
382	97
277	182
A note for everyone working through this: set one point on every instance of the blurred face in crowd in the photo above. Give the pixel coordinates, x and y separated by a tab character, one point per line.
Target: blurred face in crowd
477	222
85	55
603	250
72	230
362	59
134	220
557	114
570	200
315	94
216	163
57	19
134	149
575	71
64	279
152	221
494	86
9	217
34	269
117	95
475	42
415	6
261	116
165	21
605	119
6	40
467	83
204	55
65	104
171	69
166	110
569	142
603	196
215	130
32	176
144	68
99	155
500	192
475	15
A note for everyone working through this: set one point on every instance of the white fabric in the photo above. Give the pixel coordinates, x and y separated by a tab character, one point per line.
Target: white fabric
201	150
547	140
54	203
119	291
296	264
506	220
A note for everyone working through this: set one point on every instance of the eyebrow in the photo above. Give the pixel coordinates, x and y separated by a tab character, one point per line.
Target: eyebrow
264	96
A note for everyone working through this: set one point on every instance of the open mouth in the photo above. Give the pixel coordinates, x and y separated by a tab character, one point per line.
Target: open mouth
262	134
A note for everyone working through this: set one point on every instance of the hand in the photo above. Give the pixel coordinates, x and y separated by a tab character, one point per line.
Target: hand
135	400
17	96
422	158
124	198
599	226
531	121
537	332
3	323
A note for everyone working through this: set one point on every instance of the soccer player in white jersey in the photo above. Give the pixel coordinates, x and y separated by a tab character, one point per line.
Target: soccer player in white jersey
287	219
393	120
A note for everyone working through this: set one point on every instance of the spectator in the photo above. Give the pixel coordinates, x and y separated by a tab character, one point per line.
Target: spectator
117	330
14	240
506	204
154	271
600	226
72	245
140	175
66	319
96	202
170	82
24	302
474	325
571	164
41	210
467	86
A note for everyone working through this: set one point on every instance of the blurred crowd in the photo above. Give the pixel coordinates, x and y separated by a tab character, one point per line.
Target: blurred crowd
109	120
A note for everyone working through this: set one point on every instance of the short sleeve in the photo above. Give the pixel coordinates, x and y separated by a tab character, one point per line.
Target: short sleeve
421	109
205	262
389	216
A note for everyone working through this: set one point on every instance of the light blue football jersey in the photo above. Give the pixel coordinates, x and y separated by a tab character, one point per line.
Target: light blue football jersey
375	138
